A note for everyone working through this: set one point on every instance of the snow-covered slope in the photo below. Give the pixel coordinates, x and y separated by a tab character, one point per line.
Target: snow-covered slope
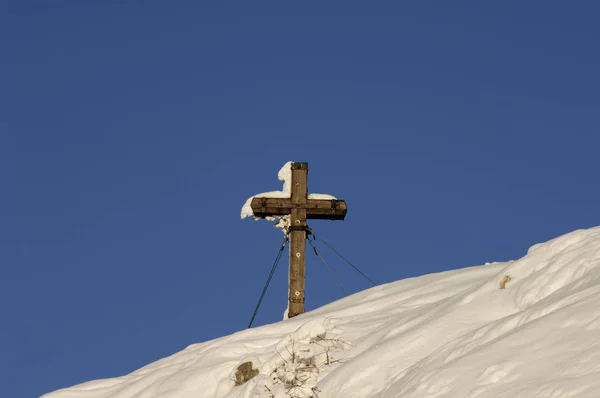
452	334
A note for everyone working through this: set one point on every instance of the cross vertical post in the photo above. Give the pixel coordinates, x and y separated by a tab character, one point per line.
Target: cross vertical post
297	273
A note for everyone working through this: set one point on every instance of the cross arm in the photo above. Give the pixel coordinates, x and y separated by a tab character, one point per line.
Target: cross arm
323	209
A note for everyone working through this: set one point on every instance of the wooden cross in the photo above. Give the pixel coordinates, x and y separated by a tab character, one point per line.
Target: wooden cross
300	208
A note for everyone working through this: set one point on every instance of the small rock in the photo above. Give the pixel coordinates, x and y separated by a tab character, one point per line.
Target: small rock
244	373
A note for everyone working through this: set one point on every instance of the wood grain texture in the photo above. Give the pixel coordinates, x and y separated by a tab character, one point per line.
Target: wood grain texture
298	240
319	209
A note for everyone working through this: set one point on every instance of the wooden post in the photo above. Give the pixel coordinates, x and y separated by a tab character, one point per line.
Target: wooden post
300	208
297	271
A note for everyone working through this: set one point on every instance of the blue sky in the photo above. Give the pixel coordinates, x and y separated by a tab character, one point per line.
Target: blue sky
131	134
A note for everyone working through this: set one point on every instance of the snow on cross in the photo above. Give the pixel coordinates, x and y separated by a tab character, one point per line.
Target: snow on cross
293	206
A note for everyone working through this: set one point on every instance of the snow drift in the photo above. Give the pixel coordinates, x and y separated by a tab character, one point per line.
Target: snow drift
524	328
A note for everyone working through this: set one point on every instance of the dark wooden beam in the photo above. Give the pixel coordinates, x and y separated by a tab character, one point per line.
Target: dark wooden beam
299	191
316	209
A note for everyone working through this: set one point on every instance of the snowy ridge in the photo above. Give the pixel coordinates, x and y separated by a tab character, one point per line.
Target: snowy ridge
525	328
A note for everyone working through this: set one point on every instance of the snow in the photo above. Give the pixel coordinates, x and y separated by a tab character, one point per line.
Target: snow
285	175
450	334
322	196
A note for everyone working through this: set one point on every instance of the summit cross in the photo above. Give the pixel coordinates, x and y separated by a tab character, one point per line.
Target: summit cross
300	208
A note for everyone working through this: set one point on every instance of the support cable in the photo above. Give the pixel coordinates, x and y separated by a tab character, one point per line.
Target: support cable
327	266
264	291
310	232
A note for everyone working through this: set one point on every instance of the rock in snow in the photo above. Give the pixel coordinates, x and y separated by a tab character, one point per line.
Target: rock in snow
452	334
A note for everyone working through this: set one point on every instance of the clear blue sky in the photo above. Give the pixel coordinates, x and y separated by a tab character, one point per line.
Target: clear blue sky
131	134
